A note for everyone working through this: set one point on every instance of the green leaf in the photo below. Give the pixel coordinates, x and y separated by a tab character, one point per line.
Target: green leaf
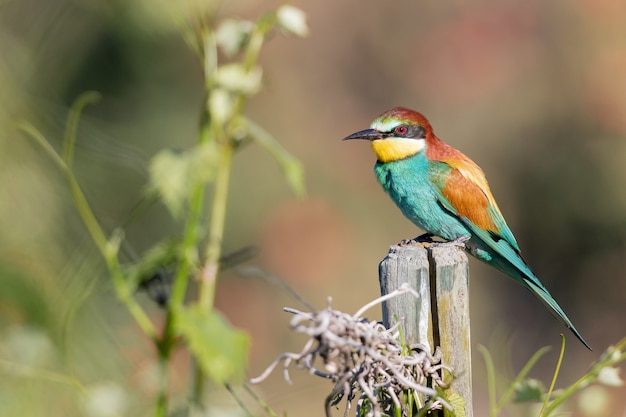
292	168
114	243
163	255
458	405
510	391
173	174
221	350
529	390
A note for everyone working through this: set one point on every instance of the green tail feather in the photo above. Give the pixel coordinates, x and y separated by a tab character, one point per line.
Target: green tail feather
503	256
553	306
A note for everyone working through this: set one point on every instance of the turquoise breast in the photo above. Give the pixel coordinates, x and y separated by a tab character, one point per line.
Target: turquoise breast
408	183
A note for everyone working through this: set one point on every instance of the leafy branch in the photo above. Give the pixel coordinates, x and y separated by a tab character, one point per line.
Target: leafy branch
522	389
181	180
108	247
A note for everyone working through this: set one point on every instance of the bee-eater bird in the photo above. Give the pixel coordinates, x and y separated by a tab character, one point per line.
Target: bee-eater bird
446	194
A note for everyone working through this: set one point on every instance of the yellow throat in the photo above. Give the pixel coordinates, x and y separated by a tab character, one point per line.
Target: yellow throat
394	149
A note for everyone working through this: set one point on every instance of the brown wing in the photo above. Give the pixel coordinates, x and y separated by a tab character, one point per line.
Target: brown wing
468	199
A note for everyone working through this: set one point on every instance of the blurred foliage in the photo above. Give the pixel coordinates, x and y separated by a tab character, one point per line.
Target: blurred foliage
221	350
534	92
529	390
180	179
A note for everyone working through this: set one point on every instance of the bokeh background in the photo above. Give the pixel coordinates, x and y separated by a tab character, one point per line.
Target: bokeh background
533	91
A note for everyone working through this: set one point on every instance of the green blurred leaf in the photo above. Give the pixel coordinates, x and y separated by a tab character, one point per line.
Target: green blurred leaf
529	390
114	242
292	168
21	295
221	350
458	406
164	255
510	391
174	173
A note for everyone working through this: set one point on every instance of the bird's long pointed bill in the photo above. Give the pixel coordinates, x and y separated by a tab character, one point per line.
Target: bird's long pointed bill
367	134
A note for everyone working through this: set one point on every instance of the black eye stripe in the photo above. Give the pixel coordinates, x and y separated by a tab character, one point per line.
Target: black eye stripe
409	131
417	132
413	132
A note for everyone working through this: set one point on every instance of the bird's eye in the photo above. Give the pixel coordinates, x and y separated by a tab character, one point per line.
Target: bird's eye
401	130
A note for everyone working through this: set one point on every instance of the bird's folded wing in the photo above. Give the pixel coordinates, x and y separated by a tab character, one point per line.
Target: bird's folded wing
463	191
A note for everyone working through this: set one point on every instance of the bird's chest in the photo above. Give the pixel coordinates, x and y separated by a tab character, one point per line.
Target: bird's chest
407	181
409	185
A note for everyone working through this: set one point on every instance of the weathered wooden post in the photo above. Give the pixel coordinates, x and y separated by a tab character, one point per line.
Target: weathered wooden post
440	316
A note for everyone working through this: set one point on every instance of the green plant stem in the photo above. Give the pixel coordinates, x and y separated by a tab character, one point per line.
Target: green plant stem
250	59
216	230
398	410
71	126
208	275
161	405
222	135
210	268
569	391
177	296
491	380
126	296
210	58
108	248
38	374
607	360
556	374
188	259
520	376
191	236
260	401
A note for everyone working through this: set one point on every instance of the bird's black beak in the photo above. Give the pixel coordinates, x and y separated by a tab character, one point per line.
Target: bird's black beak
367	134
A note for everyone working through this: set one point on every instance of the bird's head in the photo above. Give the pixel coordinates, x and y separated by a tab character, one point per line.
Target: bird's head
396	134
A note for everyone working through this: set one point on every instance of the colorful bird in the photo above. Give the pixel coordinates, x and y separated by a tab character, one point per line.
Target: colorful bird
446	194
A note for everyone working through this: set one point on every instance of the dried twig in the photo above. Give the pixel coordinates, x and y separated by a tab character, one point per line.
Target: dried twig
365	360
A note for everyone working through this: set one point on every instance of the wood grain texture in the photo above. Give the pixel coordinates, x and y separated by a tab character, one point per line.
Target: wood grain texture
407	264
440	316
449	273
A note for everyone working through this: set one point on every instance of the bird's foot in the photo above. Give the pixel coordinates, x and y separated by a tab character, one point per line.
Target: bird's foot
425	238
459	241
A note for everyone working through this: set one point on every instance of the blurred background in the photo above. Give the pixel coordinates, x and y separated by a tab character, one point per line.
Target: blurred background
533	91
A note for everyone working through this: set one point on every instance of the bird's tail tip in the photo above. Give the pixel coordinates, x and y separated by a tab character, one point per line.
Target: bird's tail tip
579	337
542	293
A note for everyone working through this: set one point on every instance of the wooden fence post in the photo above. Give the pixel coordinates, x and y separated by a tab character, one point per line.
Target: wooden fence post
440	315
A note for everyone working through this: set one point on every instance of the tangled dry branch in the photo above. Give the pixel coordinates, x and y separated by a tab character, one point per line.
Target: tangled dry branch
366	361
